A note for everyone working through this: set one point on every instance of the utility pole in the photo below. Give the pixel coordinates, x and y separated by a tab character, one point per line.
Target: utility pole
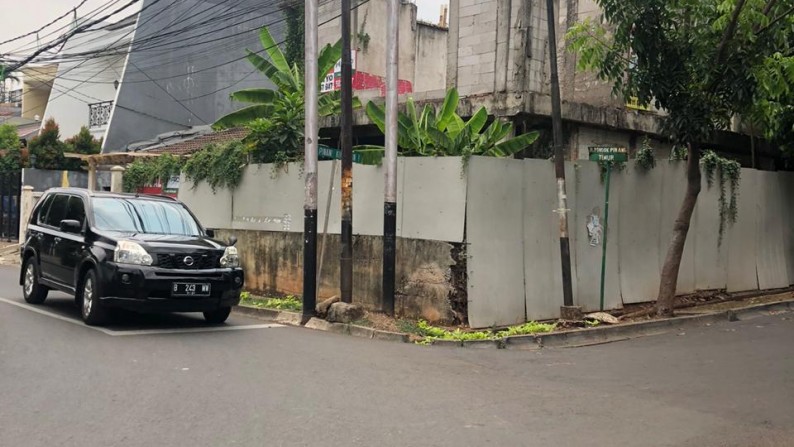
311	133
567	311
346	140
390	202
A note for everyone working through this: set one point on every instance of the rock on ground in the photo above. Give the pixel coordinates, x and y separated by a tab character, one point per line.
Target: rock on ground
344	313
322	307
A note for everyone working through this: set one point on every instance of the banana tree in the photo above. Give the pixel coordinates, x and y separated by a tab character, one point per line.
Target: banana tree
443	132
287	80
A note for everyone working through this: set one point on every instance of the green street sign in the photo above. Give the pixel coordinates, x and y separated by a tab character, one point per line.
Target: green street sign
608	153
331	153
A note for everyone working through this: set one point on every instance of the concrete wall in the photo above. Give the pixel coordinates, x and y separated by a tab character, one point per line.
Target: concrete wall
422	55
431	58
36	88
507	228
511	237
273	263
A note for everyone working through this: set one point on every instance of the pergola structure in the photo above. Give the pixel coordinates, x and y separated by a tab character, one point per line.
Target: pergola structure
105	162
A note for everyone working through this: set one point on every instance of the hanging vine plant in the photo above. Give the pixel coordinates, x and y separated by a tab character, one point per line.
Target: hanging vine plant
150	171
615	166
725	171
645	155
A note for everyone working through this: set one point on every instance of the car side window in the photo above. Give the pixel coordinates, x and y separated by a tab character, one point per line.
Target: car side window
76	210
41	213
57	210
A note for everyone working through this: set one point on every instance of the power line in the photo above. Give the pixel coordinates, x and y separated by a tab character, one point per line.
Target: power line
45	26
66	37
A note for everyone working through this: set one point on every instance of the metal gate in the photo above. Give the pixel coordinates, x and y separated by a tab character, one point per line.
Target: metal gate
10	189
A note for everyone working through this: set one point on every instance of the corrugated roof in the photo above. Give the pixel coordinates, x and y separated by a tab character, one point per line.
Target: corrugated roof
188	146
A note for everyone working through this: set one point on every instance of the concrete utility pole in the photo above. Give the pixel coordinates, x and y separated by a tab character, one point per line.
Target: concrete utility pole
311	133
567	311
346	142
390	202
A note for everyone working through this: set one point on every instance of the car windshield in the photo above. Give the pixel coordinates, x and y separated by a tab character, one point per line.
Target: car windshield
135	215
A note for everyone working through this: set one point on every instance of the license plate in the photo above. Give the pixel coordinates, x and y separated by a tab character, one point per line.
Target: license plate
190	289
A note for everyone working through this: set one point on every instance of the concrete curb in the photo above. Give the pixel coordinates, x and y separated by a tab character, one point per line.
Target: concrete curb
562	339
294	319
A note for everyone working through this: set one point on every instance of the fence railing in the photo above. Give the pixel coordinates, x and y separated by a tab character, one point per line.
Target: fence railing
99	113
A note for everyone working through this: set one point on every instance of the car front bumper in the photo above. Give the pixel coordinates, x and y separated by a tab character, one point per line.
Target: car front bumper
148	289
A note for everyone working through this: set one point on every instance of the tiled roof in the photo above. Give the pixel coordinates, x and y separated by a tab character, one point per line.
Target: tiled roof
187	147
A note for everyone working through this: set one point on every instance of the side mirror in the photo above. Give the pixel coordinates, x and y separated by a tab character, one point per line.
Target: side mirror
210	232
71	226
232	240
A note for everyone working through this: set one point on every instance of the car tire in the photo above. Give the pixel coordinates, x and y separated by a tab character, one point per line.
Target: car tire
91	308
217	316
32	291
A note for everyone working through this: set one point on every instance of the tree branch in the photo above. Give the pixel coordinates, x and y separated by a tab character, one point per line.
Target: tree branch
729	31
775	20
770	4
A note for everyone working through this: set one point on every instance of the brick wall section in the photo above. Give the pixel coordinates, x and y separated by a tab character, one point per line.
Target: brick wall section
476	46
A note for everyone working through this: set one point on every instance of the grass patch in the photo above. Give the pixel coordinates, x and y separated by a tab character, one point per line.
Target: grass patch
289	302
429	333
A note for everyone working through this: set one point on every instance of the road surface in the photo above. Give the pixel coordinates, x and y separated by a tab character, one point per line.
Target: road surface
173	381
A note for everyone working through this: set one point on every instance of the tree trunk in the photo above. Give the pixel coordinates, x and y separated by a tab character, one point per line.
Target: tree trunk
675	249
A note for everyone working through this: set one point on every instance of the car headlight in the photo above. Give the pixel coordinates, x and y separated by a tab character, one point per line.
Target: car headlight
230	258
128	252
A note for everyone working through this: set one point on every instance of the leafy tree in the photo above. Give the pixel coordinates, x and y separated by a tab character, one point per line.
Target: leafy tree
11	161
443	132
46	150
287	78
278	138
701	61
82	143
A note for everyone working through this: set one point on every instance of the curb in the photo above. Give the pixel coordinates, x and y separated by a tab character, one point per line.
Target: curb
563	339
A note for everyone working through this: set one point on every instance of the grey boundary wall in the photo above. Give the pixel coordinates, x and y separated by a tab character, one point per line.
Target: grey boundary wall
504	210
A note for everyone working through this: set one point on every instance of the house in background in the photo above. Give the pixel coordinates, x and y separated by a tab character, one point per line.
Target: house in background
169	68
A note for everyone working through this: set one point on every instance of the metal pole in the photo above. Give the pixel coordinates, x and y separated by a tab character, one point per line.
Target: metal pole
559	160
325	224
604	245
390	202
311	133
346	258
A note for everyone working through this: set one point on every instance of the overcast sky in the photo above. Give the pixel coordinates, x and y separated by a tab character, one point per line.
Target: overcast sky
20	17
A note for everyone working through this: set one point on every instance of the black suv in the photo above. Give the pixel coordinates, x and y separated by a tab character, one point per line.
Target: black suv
131	251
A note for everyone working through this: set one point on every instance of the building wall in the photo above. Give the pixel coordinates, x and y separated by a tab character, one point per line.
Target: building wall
422	50
36	87
185	80
431	58
79	84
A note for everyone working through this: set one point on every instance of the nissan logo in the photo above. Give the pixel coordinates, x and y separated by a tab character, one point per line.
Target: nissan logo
188	261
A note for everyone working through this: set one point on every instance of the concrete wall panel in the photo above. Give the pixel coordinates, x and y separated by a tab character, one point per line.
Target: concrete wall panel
213	210
639	193
542	271
434	198
740	238
269	199
590	191
674	185
711	266
787	207
771	259
494	231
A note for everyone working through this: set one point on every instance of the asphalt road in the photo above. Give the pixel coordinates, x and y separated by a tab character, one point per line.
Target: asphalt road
172	381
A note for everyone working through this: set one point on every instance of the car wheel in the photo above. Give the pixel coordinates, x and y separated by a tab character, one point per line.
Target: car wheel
33	292
217	316
93	311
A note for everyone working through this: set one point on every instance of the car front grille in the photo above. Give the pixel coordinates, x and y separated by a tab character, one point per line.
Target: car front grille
177	261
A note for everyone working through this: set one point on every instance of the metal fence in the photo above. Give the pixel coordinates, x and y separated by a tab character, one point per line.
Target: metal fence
9	205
